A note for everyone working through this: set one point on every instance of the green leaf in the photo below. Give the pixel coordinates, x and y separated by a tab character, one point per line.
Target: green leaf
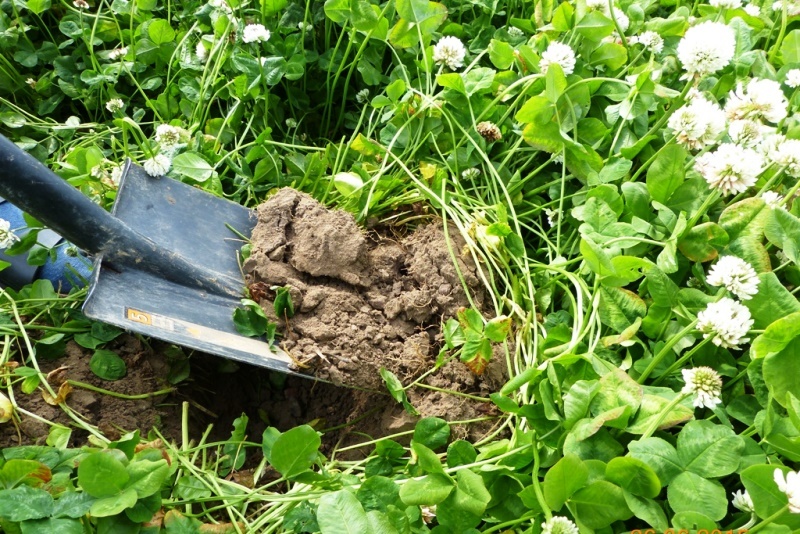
780	372
652	407
192	165
38	6
432	432
283	303
426	458
72	504
783	230
417	18
498	328
396	390
690	492
619	307
362	16
471	495
666	173
776	336
790	48
555	83
24	503
160	31
101	475
108	506
460	452
772	302
595	26
633	475
271	7
744	218
702	243
337	10
341	513
295	450
17	471
648	510
347	183
659	455
107	365
709	450
147	477
428	490
600	504
51	525
251	320
562	480
501	54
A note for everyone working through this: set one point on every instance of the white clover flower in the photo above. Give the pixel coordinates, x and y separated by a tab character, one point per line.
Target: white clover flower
7	237
221	5
169	136
597	5
742	501
793	78
787	154
790	486
115	104
768	147
116	174
726	4
698	124
158	165
255	32
513	31
759	99
650	40
792	7
559	525
773	200
118	52
362	96
705	384
449	51
291	123
622	19
552	217
201	51
706	48
736	275
748	133
428	513
752	10
726	320
31	82
558	53
730	168
307	26
470	174
81	4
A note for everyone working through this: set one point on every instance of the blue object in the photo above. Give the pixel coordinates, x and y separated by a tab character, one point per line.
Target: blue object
65	272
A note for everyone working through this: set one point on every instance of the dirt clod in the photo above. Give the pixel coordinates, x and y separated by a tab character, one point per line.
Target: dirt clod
368	300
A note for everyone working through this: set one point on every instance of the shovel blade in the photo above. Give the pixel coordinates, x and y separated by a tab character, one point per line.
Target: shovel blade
196	227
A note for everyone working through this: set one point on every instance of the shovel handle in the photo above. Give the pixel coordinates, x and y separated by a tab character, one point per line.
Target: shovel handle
35	189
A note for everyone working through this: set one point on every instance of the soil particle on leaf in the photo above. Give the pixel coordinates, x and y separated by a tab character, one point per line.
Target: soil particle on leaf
367	300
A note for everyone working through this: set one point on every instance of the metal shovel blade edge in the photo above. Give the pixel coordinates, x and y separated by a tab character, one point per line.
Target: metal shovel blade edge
195	226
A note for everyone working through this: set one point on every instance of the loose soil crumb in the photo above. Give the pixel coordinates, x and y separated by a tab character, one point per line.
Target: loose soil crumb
365	301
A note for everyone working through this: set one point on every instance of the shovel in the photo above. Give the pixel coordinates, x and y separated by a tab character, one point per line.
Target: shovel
165	258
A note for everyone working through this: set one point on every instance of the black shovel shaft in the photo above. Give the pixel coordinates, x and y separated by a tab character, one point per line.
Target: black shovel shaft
35	189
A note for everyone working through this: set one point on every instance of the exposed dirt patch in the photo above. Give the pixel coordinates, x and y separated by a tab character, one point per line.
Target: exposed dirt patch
112	415
366	301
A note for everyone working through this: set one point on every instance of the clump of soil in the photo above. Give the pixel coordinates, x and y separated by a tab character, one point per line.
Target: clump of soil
368	300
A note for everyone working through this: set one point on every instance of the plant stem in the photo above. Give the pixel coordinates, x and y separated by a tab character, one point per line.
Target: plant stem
84	385
665	350
768	520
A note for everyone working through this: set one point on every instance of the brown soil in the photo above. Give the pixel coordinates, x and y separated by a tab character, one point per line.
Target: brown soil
113	416
367	301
